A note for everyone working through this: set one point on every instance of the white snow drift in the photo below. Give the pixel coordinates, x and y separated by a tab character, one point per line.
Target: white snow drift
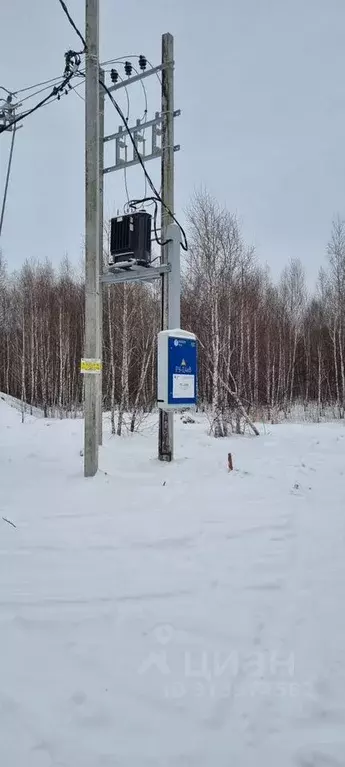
162	616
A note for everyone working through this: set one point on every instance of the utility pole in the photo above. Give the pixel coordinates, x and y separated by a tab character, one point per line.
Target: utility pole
7	115
7	179
169	269
101	232
91	363
166	419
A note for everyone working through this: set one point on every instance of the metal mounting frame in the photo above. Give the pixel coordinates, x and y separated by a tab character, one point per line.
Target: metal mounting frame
116	275
136	131
140	76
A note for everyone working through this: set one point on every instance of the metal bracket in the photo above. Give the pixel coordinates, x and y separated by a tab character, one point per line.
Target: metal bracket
137	132
141	76
116	275
145	158
122	132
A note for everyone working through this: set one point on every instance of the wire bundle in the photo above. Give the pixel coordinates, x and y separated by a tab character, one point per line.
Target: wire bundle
72	70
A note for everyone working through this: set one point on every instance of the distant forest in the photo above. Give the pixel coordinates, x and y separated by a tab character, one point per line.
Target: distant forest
261	344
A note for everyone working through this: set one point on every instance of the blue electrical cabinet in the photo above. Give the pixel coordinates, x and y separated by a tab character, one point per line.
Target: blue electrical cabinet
177	369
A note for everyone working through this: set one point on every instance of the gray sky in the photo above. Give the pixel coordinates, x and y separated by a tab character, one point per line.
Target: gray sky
261	88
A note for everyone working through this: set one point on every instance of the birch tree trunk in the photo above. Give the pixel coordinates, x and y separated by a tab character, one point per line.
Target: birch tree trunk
335	362
23	392
216	406
256	364
342	371
124	401
319	379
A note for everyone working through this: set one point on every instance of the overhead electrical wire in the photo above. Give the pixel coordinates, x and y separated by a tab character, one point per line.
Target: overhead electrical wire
36	93
58	97
66	11
7	181
122	60
157	196
37	85
127	119
157	73
143	118
72	62
153	201
55	92
74	88
103	64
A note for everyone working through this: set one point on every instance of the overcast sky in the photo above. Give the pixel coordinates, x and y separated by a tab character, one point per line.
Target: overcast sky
261	87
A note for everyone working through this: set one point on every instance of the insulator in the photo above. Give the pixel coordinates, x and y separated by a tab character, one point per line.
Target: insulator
128	68
114	76
142	62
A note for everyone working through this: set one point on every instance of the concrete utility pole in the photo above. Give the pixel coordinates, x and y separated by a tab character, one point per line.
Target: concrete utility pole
101	230
7	181
8	115
166	419
91	363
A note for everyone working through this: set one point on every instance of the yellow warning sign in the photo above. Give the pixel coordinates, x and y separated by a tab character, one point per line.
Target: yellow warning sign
90	366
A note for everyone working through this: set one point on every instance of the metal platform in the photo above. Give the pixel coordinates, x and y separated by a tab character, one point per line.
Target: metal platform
133	273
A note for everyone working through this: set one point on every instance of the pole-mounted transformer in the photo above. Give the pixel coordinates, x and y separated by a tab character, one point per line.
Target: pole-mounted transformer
130	239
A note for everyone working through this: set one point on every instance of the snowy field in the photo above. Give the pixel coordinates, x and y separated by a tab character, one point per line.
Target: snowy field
172	616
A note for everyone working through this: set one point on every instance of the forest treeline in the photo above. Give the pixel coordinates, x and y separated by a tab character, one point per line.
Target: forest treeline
262	345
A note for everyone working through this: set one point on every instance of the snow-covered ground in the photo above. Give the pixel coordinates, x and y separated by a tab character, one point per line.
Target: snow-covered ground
172	616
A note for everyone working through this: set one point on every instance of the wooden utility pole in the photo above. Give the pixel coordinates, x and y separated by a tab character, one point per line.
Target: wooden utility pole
91	364
166	419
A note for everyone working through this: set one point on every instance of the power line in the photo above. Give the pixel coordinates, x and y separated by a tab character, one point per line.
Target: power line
55	95
55	92
127	97
36	93
76	92
127	119
120	59
7	179
58	96
157	74
2	88
144	92
152	201
158	197
144	117
123	61
38	85
66	11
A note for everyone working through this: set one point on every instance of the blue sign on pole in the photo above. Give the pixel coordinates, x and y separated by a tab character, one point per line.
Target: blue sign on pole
182	371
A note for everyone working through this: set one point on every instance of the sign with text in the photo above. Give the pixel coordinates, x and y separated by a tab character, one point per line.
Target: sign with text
177	369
